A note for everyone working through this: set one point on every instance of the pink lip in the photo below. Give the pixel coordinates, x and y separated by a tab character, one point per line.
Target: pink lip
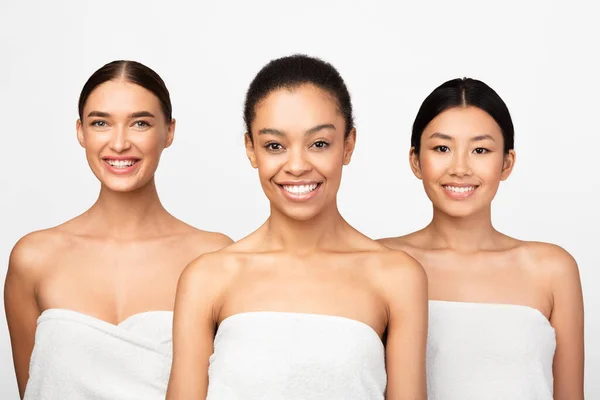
297	197
121	171
459	195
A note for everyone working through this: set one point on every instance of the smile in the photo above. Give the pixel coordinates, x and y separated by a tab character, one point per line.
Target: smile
300	190
460	189
121	164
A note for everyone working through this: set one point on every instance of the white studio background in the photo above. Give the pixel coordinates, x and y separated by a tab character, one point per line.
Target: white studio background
542	58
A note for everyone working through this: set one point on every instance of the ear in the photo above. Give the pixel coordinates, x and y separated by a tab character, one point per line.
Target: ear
170	133
508	164
349	144
80	137
415	163
250	150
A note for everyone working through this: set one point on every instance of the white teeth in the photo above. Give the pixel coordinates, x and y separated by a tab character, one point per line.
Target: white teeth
121	163
300	189
462	189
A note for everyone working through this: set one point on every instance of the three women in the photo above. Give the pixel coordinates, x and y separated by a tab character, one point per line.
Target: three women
306	306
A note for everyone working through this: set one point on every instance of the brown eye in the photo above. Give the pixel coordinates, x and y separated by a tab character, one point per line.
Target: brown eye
273	146
441	149
320	144
481	150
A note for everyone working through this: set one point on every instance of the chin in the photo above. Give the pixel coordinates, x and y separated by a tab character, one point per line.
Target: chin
463	210
299	213
123	186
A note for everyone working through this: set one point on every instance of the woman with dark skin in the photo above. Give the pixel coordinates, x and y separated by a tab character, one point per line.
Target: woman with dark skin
114	269
505	315
299	309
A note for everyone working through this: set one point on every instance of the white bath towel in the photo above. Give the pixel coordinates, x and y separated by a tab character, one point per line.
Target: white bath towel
292	356
77	356
480	351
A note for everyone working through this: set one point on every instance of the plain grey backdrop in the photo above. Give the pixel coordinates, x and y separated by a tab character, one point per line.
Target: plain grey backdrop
541	56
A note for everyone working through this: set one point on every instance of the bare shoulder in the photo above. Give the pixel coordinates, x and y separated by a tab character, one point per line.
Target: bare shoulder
207	241
550	259
401	281
34	252
212	271
397	267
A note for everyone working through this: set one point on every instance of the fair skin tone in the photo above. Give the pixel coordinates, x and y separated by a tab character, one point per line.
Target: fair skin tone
464	147
306	258
124	255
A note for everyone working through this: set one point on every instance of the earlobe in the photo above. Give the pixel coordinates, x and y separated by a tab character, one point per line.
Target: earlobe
415	163
349	146
250	150
80	137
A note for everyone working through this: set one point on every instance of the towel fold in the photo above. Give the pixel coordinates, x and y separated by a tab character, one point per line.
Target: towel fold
77	356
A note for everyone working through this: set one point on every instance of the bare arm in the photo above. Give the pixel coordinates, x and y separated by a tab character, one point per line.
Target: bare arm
567	320
406	290
21	308
194	325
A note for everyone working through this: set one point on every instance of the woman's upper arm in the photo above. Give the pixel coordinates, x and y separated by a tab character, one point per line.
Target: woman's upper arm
406	290
193	329
567	320
21	307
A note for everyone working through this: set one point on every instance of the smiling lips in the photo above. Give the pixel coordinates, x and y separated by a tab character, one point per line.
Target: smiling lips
299	191
459	192
121	165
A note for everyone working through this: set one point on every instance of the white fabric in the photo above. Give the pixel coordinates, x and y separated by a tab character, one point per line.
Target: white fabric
77	356
278	355
482	351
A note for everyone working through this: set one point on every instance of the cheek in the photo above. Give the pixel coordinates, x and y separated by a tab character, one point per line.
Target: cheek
95	142
149	145
433	167
489	168
329	164
268	164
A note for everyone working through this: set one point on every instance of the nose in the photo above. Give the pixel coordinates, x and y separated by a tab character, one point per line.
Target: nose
119	140
460	166
297	164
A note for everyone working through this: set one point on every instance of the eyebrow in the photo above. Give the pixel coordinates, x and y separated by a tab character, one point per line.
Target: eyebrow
276	132
477	138
137	114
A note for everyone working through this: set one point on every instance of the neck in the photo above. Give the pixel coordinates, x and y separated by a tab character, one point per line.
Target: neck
127	215
462	234
303	236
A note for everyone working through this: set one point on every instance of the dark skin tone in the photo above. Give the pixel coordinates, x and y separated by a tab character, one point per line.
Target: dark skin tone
306	258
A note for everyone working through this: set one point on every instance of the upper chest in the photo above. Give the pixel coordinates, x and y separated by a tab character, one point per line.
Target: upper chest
489	277
97	267
336	285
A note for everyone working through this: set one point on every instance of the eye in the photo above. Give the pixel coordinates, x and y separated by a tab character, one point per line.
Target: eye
481	150
273	146
99	124
441	149
320	144
141	124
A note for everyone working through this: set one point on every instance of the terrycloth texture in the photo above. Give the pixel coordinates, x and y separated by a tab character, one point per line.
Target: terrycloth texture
77	356
294	356
480	351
